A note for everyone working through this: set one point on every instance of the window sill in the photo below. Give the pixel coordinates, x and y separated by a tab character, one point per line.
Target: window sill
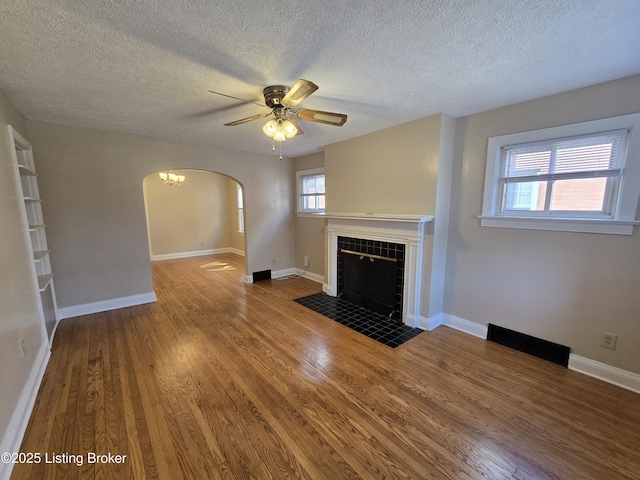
614	227
311	214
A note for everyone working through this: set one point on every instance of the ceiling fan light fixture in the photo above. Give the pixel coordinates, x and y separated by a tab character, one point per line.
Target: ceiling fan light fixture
270	128
290	130
280	129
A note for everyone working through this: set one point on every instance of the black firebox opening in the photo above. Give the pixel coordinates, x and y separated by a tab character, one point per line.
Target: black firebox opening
370	282
371	275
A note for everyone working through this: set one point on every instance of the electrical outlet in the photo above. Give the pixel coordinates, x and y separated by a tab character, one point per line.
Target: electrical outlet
273	261
23	348
306	261
608	340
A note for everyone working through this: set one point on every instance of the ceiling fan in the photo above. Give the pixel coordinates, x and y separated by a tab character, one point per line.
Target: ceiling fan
281	100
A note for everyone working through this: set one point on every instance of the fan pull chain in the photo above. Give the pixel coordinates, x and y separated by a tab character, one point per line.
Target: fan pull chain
273	145
280	150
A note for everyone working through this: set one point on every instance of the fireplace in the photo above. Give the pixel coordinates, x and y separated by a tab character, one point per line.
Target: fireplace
392	237
371	274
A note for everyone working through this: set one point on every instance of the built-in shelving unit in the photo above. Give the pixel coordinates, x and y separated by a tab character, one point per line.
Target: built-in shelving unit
36	228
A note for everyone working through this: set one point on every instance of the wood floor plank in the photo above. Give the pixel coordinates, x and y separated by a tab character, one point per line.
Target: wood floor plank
225	380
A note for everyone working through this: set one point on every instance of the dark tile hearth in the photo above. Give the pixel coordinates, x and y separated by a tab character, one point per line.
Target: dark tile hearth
371	324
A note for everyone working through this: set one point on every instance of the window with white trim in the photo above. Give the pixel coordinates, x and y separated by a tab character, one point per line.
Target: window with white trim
574	177
240	208
311	190
582	177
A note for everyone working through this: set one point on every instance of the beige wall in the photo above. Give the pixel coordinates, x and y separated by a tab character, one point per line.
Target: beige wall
561	286
92	180
390	171
201	214
310	231
19	313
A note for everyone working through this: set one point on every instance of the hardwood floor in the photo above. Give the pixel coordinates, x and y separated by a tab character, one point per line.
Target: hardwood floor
220	379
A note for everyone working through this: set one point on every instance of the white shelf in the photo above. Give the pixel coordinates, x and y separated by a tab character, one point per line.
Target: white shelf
44	280
27	179
26	171
38	255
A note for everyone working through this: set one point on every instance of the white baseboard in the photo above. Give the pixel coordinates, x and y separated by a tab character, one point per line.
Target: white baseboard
607	373
196	253
285	272
450	321
18	425
106	305
466	326
299	272
431	323
275	274
310	275
55	329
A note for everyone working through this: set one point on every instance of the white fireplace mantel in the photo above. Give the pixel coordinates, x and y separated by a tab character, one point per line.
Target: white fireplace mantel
403	229
380	217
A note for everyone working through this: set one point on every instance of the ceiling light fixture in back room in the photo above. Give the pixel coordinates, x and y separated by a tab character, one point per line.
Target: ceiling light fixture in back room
281	100
171	178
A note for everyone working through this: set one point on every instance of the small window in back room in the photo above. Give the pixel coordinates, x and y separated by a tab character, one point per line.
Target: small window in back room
240	209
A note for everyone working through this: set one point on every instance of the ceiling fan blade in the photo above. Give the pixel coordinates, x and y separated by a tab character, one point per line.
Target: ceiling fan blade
245	120
301	90
241	99
328	118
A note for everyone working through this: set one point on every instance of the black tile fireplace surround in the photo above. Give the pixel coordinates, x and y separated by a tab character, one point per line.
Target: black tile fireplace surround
375	279
379	317
368	323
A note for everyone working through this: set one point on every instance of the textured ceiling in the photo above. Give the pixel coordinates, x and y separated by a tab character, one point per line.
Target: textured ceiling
146	66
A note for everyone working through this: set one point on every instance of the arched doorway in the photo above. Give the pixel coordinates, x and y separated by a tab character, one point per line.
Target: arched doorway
201	216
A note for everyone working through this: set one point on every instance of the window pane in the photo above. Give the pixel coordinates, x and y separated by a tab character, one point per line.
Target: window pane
309	185
313	202
309	203
586	194
240	203
526	162
584	159
525	196
312	189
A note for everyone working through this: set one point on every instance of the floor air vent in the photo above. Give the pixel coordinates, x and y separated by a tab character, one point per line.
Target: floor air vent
537	347
263	275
